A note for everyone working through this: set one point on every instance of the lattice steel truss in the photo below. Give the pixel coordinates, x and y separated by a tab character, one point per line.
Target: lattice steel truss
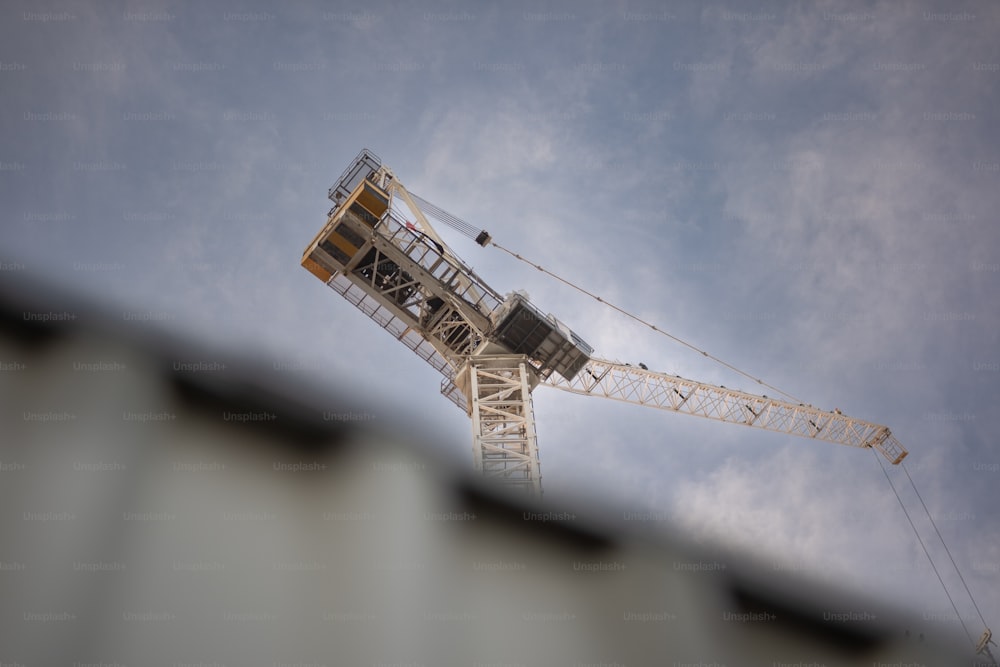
401	331
505	446
427	301
630	384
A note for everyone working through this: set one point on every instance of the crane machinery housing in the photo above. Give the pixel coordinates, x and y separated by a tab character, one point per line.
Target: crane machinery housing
494	350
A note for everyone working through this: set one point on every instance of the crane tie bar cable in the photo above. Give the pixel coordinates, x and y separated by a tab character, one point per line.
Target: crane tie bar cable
452	221
648	324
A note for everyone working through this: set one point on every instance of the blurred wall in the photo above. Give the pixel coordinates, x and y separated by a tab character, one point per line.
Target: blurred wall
163	504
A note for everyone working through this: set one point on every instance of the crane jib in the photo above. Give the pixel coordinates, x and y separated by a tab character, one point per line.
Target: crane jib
631	384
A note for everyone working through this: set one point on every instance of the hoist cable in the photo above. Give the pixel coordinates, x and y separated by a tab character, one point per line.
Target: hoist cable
946	549
924	547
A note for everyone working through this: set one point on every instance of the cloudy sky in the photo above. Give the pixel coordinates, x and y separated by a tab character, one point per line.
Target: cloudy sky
808	191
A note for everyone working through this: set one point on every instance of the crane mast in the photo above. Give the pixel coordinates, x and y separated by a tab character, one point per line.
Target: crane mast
494	350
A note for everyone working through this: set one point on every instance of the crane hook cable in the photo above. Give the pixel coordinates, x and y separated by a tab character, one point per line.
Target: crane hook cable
946	549
648	324
927	553
924	547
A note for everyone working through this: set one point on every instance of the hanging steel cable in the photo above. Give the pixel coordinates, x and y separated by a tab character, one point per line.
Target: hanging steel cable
924	547
945	545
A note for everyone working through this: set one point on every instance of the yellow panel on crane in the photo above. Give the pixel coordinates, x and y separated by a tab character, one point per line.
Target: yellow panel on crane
372	198
346	231
313	267
349	246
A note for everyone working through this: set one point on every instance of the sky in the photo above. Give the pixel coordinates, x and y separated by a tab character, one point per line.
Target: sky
808	191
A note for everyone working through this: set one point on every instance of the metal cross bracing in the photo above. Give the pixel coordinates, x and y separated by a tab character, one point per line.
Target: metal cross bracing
410	279
401	331
505	445
623	382
434	273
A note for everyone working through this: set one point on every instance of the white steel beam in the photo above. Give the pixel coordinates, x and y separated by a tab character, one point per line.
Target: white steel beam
505	447
630	384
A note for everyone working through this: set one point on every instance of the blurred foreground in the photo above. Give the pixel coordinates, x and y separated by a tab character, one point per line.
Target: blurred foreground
162	504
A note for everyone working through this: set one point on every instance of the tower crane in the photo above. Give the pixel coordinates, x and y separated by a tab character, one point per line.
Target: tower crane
494	350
